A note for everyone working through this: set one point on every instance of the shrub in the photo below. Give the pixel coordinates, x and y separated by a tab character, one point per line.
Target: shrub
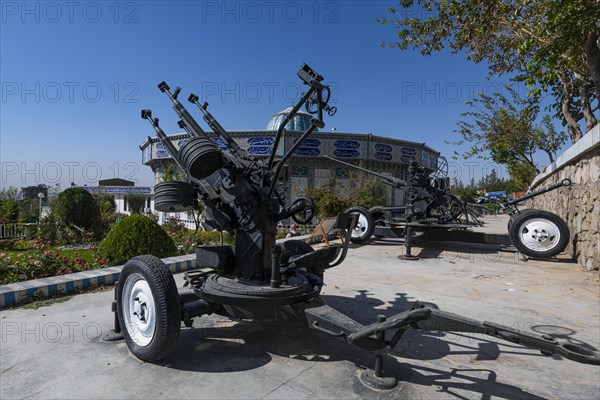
77	206
212	238
7	244
54	231
133	236
186	240
108	214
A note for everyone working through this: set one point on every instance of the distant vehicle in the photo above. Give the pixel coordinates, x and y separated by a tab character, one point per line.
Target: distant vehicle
492	197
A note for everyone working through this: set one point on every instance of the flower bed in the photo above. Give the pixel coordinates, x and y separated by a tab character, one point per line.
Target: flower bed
22	260
33	259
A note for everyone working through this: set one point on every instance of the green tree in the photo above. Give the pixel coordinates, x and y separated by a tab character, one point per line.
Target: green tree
106	203
360	190
549	45
136	203
504	130
328	202
9	210
29	210
10	193
363	190
76	206
172	172
464	193
563	46
521	176
491	182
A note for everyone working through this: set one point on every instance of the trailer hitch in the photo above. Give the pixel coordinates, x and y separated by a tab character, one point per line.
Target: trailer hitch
372	337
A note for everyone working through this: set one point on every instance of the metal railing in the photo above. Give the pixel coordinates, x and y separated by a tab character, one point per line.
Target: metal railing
189	223
17	230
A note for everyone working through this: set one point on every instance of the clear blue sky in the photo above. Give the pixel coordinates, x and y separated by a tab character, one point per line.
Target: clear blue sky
74	78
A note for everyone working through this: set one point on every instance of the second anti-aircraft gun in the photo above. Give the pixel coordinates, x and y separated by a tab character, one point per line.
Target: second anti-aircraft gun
429	204
258	278
427	200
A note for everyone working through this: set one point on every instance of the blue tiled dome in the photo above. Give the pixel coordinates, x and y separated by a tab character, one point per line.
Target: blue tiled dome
300	122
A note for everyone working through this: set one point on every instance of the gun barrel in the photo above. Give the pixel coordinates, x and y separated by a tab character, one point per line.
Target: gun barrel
147	114
193	128
218	128
397	183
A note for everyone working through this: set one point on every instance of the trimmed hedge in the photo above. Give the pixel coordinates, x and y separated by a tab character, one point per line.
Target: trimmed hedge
133	236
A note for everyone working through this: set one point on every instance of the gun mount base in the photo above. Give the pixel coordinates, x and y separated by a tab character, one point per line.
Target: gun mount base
236	298
370	379
112	336
230	291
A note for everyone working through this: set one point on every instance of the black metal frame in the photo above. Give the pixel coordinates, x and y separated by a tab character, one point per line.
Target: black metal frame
258	278
423	193
372	337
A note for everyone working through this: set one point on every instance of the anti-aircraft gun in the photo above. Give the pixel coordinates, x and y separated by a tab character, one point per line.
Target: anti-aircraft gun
427	200
258	278
429	205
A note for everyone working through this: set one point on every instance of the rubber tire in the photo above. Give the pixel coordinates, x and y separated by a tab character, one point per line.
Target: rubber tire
167	305
368	232
522	219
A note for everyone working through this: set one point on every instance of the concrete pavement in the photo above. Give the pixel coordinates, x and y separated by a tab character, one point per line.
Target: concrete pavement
54	352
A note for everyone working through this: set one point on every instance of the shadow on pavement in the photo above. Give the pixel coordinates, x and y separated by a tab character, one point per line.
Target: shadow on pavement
219	345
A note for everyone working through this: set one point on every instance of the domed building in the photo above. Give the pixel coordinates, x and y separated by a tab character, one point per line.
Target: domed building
300	122
309	169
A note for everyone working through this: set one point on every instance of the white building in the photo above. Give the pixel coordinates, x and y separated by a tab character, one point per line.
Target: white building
119	189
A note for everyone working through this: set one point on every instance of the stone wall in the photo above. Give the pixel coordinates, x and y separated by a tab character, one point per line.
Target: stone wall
579	205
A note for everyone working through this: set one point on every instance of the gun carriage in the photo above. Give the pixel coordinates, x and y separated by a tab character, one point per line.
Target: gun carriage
429	205
259	278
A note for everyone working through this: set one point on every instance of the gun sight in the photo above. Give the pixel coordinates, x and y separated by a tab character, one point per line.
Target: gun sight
176	92
308	75
163	86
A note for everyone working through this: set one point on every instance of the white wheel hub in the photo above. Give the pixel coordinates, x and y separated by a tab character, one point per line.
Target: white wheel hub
362	224
139	310
539	234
